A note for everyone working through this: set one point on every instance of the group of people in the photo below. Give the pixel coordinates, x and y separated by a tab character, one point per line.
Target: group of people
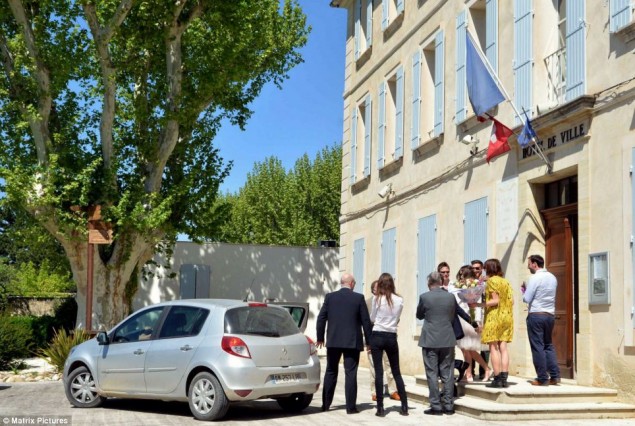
448	321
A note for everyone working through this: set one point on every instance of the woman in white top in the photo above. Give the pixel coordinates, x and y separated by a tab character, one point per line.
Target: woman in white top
386	310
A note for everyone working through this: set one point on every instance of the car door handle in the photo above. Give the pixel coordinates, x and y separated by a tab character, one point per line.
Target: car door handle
186	348
138	352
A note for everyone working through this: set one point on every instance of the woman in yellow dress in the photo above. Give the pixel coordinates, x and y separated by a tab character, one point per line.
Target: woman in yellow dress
498	327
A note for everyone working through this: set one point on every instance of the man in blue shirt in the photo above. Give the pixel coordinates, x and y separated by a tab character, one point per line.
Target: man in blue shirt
540	294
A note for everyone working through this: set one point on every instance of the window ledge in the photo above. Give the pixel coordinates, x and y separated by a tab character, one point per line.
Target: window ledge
394	26
360	185
428	145
391	167
627	32
363	58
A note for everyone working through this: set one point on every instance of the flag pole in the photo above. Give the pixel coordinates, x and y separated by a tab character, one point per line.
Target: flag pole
534	147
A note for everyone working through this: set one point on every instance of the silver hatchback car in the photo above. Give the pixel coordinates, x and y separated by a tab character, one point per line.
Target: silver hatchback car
208	352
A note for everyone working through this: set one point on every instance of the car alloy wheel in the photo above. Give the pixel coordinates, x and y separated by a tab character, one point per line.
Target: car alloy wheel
206	397
81	390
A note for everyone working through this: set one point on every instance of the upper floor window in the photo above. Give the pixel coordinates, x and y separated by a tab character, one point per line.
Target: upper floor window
363	26
620	14
390	10
361	139
390	126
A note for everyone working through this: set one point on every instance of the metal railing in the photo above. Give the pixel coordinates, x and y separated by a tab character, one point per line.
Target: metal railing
556	64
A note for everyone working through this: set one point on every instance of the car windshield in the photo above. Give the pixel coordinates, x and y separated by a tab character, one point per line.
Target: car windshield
261	321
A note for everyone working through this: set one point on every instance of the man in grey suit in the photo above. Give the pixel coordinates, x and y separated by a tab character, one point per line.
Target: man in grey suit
437	308
347	315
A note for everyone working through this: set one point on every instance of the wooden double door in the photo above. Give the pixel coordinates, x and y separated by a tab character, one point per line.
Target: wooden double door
561	260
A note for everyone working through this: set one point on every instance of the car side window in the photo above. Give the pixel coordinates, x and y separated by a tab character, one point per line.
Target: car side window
139	327
183	321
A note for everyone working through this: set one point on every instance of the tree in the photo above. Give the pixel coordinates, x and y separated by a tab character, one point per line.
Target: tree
116	103
298	207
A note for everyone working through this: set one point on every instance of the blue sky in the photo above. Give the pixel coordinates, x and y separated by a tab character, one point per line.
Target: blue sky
303	117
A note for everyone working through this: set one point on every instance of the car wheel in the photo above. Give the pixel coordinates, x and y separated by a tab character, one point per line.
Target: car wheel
207	398
296	402
81	390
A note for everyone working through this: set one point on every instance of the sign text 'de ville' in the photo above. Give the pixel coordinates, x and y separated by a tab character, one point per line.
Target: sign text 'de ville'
561	138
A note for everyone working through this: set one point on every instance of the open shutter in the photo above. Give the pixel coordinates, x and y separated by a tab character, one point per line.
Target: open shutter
389	251
400	6
633	228
381	125
384	14
461	106
523	55
358	27
620	14
359	248
426	251
353	144
367	134
475	228
399	115
415	133
439	59
576	49
491	33
369	23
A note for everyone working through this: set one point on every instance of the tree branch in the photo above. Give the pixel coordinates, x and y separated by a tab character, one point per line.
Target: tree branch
39	123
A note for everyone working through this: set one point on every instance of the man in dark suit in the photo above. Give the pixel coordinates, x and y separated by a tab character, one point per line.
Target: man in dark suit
437	308
346	314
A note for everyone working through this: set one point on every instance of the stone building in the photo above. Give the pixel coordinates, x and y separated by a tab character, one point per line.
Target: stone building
414	195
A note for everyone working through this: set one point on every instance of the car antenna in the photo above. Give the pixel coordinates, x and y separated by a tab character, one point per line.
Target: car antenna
249	290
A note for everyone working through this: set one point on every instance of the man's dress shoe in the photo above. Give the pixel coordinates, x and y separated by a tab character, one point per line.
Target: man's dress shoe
433	412
352	411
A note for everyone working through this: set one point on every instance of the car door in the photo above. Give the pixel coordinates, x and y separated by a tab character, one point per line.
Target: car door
122	362
171	353
298	311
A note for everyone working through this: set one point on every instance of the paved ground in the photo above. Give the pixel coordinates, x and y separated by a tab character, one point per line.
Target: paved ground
47	399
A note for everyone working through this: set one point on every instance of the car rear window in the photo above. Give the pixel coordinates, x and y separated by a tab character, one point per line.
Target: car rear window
261	321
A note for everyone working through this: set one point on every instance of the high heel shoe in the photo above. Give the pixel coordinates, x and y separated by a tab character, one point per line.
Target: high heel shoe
469	378
488	375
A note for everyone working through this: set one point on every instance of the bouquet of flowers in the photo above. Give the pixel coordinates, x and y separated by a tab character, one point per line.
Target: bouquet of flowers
469	290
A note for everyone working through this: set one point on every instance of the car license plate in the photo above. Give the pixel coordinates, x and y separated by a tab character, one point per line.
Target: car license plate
286	378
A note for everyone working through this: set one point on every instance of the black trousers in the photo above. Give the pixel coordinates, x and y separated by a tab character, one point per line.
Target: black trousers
351	362
387	342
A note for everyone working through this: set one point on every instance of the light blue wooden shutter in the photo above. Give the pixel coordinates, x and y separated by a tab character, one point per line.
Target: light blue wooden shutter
523	55
381	125
367	134
358	27
491	33
620	14
399	6
389	251
187	282
475	231
385	19
426	251
369	23
461	28
576	49
439	69
633	226
354	144
415	133
359	250
399	115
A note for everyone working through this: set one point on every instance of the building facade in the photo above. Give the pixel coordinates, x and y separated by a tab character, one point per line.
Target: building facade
417	190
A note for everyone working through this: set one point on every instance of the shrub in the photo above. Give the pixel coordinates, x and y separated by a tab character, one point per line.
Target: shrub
16	339
61	345
66	314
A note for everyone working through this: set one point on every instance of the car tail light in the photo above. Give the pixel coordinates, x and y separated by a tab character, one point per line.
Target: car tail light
258	304
242	392
312	347
235	346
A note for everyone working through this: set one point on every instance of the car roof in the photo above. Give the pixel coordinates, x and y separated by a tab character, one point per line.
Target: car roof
206	303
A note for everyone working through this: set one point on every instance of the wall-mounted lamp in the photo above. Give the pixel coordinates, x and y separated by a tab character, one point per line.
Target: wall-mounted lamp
471	140
385	191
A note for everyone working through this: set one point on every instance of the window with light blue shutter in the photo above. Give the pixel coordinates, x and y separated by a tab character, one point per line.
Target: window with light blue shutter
358	27
400	6
633	227
381	125
389	252
359	250
523	55
439	69
399	115
620	14
475	231
426	251
491	33
369	23
353	144
367	134
461	105
385	19
415	133
576	49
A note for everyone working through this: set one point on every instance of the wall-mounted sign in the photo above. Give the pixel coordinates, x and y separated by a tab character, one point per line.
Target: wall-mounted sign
599	284
561	138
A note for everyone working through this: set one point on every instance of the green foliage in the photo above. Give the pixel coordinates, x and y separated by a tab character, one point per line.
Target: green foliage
298	207
61	345
16	339
32	281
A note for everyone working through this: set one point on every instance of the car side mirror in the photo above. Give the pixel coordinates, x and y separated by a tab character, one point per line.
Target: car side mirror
102	338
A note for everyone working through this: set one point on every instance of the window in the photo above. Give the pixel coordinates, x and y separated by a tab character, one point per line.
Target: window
183	321
562	192
363	26
621	14
359	249
390	127
475	228
361	140
389	252
523	56
260	321
481	19
390	9
427	78
139	327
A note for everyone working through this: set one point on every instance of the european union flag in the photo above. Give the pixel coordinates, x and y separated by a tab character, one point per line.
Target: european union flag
482	89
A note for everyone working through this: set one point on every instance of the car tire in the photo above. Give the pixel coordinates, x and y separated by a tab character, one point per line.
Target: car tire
296	402
207	398
81	390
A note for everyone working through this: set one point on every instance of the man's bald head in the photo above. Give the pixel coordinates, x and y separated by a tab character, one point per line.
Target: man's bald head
347	281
